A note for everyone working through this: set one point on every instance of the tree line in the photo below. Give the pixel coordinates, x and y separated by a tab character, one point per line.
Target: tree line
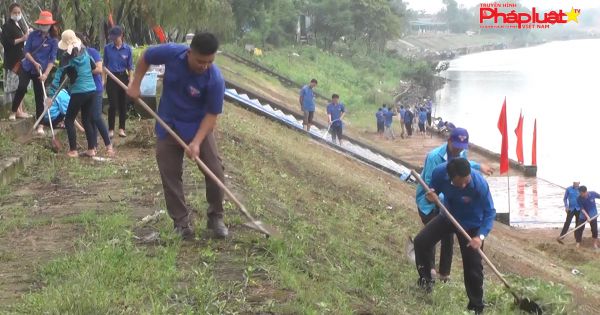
353	23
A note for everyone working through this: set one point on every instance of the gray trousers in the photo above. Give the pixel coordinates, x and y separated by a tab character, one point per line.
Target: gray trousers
169	157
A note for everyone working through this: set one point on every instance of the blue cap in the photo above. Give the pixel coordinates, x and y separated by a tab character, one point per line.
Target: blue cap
115	32
459	138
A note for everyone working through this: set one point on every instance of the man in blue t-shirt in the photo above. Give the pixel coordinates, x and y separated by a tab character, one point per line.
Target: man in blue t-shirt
572	208
192	99
307	103
587	202
335	114
468	199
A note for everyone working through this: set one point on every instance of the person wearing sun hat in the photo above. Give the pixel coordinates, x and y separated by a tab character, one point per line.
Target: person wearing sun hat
78	66
118	58
40	54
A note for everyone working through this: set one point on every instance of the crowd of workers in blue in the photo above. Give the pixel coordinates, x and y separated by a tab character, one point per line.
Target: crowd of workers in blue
192	99
30	55
409	117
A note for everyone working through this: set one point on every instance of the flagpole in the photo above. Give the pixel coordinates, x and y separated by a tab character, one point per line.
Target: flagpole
508	192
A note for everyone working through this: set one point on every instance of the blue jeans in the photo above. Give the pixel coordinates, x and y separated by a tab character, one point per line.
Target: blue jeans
97	122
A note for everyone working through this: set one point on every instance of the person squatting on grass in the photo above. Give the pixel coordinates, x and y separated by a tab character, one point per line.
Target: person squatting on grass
587	201
40	53
467	197
307	103
192	99
77	65
456	147
572	207
335	114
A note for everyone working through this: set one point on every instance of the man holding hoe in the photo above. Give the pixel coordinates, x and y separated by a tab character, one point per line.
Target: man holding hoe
192	99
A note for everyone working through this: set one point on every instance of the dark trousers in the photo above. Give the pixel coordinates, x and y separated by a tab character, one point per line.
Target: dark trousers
84	102
24	78
380	127
336	132
97	123
570	215
428	118
169	157
446	247
117	100
432	233
408	128
593	226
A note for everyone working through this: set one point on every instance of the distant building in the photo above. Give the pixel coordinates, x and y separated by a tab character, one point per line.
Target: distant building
303	28
428	25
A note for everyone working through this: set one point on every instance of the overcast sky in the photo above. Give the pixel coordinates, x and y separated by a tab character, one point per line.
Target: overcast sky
433	6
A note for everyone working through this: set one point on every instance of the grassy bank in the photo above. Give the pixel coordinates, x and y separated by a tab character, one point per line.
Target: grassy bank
343	228
364	82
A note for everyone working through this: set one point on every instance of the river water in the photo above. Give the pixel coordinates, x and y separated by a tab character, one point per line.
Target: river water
555	83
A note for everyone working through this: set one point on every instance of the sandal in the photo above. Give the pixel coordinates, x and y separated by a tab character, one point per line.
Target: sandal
87	154
110	152
72	154
122	133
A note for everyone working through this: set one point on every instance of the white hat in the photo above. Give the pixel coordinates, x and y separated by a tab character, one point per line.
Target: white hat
68	41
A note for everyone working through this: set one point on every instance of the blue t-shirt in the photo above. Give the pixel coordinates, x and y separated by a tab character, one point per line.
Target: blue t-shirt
379	116
59	105
570	199
336	110
95	54
388	115
308	98
422	117
187	96
434	158
588	204
408	117
118	59
471	206
43	50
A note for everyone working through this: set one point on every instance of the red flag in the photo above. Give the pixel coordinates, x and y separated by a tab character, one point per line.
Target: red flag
502	126
534	144
519	133
160	34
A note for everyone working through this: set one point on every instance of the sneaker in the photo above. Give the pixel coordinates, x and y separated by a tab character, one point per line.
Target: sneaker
12	117
217	226
186	232
426	285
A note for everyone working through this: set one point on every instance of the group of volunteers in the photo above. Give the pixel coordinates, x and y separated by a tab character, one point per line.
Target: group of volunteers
335	111
30	56
581	204
191	100
419	114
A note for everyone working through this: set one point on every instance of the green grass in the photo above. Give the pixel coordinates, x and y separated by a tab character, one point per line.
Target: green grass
364	82
340	252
